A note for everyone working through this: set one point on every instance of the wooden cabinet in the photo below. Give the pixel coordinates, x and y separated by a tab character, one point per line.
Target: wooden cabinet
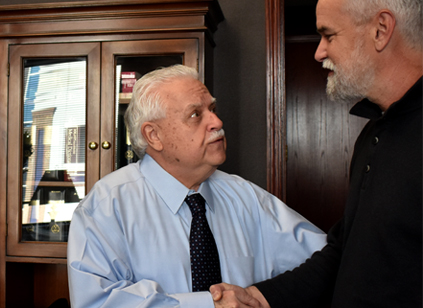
66	73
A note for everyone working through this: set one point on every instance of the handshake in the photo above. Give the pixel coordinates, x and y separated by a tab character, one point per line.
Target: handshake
231	296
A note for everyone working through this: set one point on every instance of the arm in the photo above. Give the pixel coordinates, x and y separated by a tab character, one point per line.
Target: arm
308	285
289	239
100	273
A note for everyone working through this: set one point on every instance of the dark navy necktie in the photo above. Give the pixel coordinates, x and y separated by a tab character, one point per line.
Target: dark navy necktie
205	265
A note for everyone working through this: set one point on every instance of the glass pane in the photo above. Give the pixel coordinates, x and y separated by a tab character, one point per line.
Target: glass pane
54	104
128	70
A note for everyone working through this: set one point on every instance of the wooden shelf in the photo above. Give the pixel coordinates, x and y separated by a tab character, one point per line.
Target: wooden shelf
36	260
55	184
125	98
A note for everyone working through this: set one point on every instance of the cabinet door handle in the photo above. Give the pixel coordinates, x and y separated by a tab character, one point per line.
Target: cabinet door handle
93	145
106	145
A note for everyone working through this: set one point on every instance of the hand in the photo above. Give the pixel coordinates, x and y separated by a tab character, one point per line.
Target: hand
231	296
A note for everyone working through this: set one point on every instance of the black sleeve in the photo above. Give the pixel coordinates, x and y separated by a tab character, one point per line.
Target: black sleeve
310	284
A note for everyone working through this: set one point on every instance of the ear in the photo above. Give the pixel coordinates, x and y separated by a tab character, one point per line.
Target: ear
385	25
150	132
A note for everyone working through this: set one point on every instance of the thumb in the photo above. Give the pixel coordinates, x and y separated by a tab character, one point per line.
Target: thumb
217	291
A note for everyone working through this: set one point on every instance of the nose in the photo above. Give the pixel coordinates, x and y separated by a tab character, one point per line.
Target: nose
321	53
215	122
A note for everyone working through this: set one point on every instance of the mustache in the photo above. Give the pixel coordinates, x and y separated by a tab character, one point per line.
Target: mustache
328	64
217	134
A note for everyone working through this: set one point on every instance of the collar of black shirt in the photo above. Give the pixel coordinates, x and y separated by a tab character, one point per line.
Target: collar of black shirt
411	101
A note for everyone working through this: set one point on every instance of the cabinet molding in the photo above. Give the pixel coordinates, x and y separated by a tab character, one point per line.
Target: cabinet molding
276	99
3	169
109	17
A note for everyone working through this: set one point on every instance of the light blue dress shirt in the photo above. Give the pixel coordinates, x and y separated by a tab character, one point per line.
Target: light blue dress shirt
129	238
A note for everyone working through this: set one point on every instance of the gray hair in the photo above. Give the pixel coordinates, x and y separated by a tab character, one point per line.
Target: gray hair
408	15
147	104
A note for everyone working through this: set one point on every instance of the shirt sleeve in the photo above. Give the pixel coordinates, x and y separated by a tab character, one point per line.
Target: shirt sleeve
100	274
310	284
289	238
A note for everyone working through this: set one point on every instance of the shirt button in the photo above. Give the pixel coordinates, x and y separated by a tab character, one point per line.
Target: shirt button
367	168
376	140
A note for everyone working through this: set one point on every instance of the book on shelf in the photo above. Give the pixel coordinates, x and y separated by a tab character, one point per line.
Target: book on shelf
127	81
126	86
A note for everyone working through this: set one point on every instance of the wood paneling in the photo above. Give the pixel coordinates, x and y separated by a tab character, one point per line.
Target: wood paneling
35	285
3	164
50	284
276	106
312	176
320	137
20	285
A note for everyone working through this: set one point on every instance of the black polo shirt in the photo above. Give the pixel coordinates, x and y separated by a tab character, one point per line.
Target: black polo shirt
374	254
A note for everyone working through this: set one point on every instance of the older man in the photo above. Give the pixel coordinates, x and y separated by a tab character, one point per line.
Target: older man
149	234
373	49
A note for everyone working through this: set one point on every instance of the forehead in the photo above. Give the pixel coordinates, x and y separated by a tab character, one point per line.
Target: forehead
181	92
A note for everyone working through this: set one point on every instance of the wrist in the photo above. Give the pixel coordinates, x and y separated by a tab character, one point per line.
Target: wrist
254	292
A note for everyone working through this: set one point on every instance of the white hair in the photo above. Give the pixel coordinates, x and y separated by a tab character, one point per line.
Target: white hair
147	104
408	15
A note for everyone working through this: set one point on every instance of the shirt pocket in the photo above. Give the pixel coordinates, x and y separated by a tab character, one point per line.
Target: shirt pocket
238	270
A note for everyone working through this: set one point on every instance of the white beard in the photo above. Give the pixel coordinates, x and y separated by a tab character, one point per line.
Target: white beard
350	81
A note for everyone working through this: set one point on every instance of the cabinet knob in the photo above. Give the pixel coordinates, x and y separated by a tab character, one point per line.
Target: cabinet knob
93	145
106	145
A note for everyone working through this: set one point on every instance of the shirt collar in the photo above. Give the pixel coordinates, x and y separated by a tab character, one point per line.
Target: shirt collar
171	191
206	192
411	101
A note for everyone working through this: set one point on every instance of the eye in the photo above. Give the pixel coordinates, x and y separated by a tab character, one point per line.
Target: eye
329	37
195	115
213	108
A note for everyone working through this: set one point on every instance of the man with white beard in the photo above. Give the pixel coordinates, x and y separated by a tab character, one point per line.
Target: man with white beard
373	49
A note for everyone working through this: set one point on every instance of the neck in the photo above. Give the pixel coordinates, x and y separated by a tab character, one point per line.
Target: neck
191	177
395	76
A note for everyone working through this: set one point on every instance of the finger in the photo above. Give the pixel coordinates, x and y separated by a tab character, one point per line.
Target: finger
243	297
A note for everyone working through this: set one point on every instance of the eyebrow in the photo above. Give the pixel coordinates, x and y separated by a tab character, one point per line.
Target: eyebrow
194	106
213	101
322	30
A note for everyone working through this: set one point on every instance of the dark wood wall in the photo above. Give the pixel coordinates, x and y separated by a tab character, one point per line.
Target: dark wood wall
320	138
320	134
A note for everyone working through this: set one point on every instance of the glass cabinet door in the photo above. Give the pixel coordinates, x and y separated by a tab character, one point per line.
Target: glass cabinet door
65	133
54	121
55	87
124	63
128	70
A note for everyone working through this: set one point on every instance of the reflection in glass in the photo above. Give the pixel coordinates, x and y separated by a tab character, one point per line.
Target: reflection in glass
128	70
53	178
